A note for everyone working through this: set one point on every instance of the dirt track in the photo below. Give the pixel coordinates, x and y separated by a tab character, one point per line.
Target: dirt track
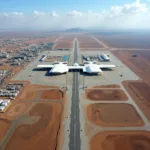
132	140
42	135
16	110
105	94
140	92
113	115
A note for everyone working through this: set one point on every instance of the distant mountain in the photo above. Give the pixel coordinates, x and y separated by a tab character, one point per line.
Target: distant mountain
75	30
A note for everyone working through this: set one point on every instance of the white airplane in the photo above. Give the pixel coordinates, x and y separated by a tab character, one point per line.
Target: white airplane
61	67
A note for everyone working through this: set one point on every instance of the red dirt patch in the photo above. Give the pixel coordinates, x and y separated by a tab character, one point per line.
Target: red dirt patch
86	41
4	126
65	45
44	131
30	92
129	140
113	115
120	40
65	42
29	95
140	92
52	95
17	110
105	94
140	64
108	86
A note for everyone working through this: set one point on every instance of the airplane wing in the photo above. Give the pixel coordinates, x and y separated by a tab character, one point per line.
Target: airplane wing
106	66
45	66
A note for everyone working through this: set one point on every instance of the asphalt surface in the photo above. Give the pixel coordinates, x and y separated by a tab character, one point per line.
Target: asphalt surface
75	141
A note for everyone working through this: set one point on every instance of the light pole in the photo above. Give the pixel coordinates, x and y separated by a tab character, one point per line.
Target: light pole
66	81
83	81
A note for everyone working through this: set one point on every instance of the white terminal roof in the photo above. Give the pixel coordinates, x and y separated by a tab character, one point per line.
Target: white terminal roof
45	66
92	68
88	68
59	68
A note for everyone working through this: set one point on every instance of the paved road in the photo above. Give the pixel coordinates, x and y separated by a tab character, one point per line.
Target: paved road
75	142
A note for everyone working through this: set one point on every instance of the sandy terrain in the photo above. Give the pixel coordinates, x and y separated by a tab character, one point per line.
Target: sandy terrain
105	94
131	140
4	126
26	34
108	86
41	40
28	95
66	41
52	95
15	70
30	92
11	47
140	92
39	87
44	131
65	45
113	115
125	40
16	110
140	64
6	67
86	41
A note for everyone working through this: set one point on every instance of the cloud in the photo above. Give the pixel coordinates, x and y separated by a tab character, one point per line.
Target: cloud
53	14
43	14
37	13
12	14
127	16
74	13
129	9
18	13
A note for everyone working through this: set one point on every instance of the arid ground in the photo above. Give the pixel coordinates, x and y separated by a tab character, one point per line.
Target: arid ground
113	115
125	40
139	64
105	94
140	92
129	140
42	126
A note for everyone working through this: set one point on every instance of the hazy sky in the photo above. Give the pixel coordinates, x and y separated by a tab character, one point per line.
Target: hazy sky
63	14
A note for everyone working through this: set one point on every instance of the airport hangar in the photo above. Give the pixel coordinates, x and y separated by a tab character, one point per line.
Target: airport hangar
88	67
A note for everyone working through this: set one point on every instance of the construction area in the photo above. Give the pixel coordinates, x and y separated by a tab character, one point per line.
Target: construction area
115	105
105	95
113	115
72	91
124	140
33	112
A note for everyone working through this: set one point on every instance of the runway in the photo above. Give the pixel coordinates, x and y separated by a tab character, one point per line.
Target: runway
75	141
